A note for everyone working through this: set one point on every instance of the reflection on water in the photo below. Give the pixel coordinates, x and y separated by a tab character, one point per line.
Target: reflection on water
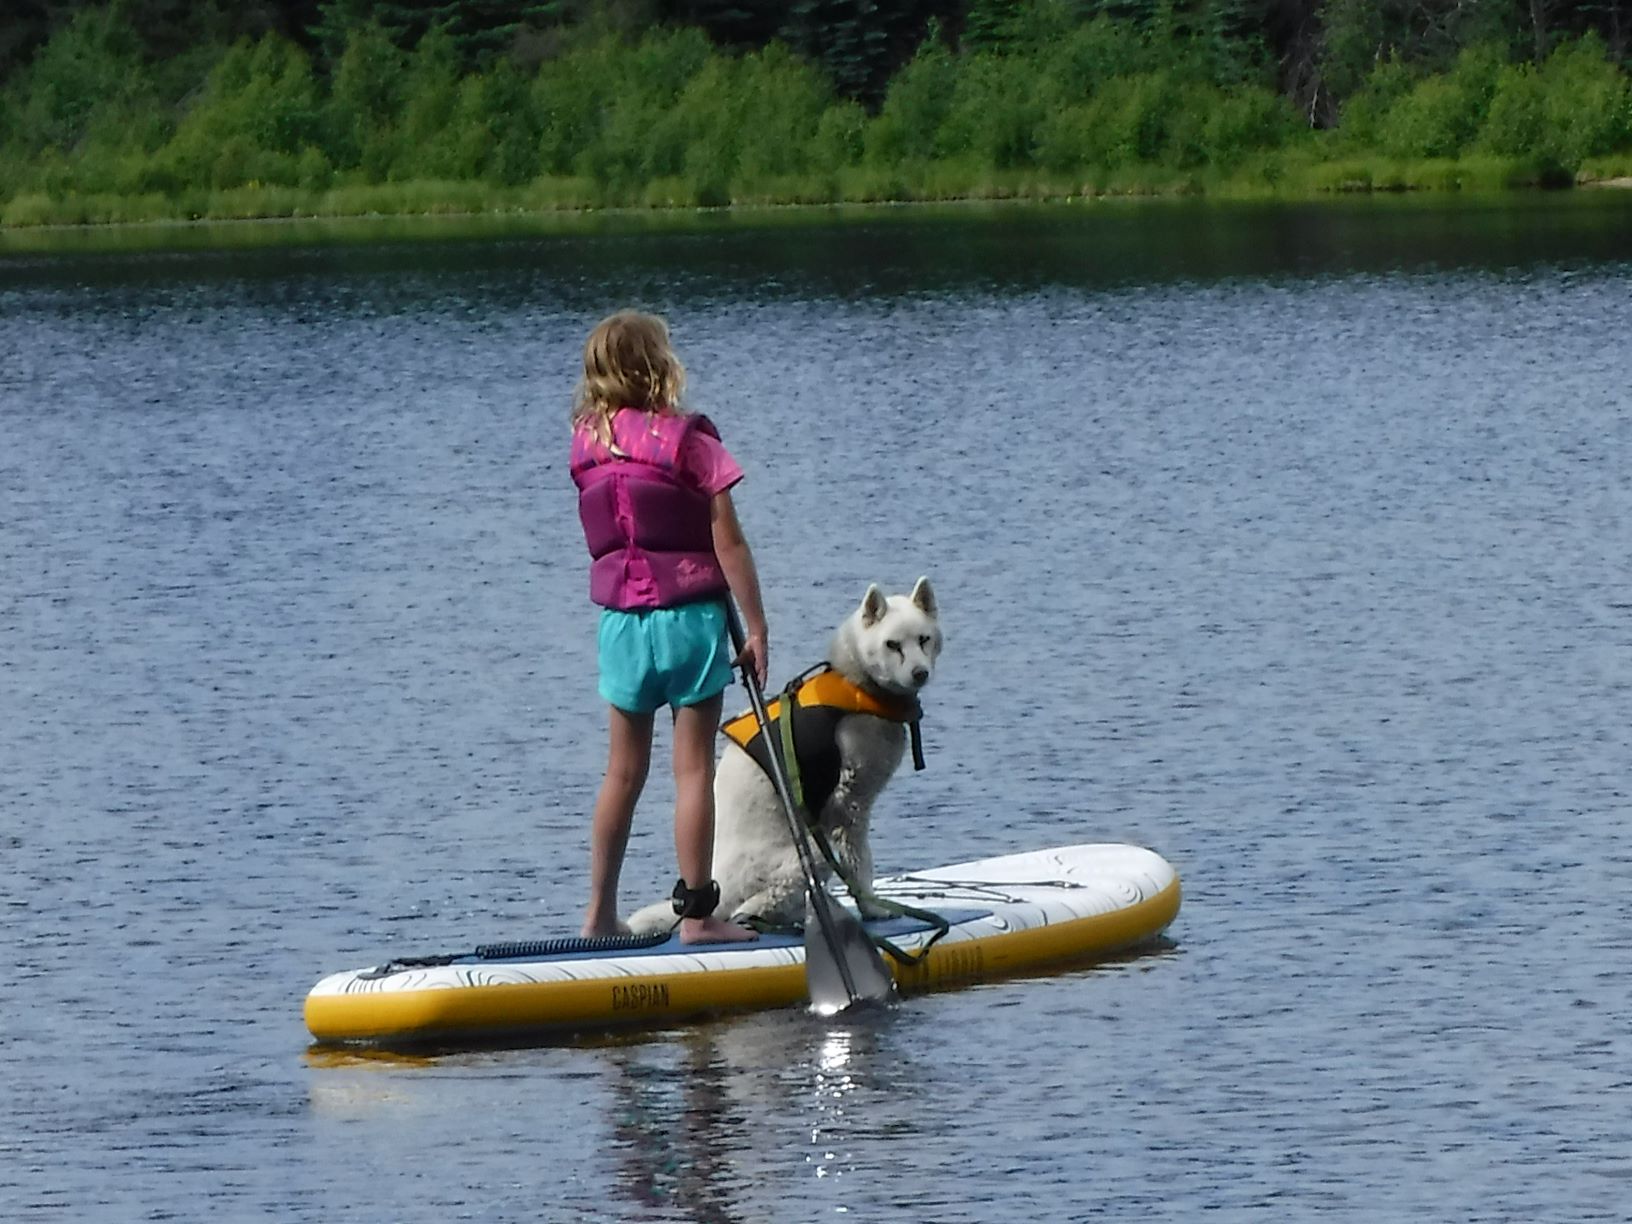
691	1110
357	1087
877	252
673	1127
834	1083
326	1058
694	1121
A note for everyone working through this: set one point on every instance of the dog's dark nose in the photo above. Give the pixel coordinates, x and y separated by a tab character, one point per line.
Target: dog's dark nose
920	674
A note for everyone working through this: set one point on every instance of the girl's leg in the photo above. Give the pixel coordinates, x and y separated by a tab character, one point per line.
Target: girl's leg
626	766
694	815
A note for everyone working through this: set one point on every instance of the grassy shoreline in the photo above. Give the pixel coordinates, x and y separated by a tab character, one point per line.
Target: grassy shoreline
925	184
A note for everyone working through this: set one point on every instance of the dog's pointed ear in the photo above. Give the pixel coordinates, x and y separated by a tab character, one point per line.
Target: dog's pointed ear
923	598
873	606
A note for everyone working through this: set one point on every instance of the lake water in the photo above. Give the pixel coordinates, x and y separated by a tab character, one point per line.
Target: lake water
1288	541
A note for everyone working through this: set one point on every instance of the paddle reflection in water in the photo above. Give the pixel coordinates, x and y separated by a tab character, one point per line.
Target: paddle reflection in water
834	1084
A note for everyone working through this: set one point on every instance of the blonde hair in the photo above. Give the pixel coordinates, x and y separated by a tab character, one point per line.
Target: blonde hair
628	363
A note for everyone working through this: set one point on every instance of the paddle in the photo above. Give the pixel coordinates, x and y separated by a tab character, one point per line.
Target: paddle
842	967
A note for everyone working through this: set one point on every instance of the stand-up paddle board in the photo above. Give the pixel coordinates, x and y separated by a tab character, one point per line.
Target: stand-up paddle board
1002	916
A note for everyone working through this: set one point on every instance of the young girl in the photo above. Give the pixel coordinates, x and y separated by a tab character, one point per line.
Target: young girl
654	496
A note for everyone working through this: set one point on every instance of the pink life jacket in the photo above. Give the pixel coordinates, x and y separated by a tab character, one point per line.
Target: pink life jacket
649	534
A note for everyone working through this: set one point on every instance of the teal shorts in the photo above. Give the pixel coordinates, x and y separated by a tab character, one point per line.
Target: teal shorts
655	657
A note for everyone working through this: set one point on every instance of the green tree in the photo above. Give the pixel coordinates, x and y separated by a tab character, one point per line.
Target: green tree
428	143
1354	41
1586	103
1441	114
364	103
258	114
631	138
994	112
92	66
1094	53
919	100
569	99
496	129
751	117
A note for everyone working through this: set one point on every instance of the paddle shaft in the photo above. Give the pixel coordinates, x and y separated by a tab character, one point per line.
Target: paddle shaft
829	915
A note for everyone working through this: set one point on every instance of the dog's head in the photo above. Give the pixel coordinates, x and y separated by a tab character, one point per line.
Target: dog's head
891	641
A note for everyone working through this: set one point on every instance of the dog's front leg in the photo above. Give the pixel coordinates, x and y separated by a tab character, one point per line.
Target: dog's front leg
844	823
780	903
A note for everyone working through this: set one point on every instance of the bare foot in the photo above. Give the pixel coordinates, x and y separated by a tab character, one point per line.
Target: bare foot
593	929
714	930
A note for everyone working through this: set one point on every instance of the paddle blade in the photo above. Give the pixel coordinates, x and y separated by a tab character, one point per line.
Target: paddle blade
842	967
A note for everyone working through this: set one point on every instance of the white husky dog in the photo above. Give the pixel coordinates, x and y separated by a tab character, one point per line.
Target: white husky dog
879	659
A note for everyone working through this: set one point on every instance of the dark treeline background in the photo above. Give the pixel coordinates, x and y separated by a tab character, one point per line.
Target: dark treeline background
1319	49
714	101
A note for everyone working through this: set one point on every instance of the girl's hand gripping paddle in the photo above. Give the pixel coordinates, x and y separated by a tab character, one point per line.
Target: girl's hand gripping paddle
842	967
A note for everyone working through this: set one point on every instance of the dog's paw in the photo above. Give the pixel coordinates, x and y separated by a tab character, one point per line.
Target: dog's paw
653	919
782	904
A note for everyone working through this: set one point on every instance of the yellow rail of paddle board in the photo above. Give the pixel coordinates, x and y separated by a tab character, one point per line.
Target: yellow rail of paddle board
493	1010
954	962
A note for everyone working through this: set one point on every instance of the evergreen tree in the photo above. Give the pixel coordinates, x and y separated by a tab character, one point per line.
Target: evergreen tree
27	25
991	25
862	43
734	23
848	38
479	30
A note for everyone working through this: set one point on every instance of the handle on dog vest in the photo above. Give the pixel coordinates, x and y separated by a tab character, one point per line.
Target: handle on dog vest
790	756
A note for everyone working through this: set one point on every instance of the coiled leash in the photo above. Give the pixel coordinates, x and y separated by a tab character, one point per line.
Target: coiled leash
688	903
537	949
790	762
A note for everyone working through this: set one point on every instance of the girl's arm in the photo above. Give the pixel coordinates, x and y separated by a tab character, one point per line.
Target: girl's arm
737	560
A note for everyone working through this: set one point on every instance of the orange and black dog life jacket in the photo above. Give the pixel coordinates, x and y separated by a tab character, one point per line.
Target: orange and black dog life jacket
820	700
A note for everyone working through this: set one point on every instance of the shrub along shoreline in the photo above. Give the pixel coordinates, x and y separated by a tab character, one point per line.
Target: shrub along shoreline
92	133
460	199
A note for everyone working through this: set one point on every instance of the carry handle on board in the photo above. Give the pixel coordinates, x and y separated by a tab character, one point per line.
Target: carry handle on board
842	967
